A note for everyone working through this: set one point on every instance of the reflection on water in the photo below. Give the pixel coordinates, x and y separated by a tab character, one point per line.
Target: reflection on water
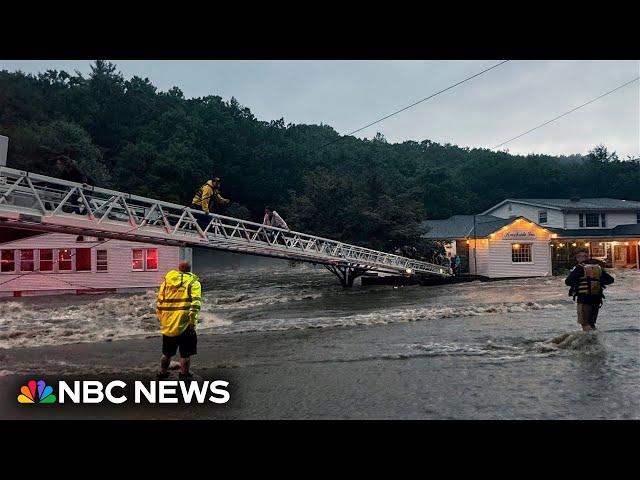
503	349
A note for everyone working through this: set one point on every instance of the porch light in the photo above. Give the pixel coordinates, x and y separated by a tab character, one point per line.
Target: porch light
586	244
626	243
554	235
409	271
574	244
516	245
561	244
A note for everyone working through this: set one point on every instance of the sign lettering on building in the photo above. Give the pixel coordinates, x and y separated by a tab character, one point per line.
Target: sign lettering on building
519	235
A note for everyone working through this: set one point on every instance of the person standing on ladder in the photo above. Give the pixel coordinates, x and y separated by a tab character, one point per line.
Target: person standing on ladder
207	193
272	219
67	169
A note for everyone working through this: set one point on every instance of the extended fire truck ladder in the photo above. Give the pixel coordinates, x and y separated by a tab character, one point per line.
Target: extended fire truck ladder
40	203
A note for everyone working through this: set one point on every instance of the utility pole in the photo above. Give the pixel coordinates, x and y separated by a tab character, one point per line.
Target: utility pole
475	246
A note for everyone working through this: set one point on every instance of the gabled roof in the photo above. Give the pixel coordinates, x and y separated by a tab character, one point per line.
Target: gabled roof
568	204
461	226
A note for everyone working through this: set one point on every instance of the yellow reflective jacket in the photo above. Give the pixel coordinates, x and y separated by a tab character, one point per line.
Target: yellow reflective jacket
204	195
178	302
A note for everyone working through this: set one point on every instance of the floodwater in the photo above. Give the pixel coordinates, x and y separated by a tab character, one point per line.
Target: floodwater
297	345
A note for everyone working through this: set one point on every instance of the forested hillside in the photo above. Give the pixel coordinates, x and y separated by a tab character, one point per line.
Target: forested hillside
132	137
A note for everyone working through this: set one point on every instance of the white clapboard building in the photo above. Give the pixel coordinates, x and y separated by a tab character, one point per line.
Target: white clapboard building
495	247
55	263
609	228
529	237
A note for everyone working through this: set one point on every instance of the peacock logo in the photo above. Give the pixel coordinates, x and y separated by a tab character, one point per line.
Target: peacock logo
44	393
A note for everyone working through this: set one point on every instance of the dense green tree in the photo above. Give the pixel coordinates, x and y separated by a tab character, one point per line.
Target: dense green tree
38	145
130	136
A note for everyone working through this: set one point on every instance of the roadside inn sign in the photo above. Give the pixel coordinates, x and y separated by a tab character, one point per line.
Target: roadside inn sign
520	235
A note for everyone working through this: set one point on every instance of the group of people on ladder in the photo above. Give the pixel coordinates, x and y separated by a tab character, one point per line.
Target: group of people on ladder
209	194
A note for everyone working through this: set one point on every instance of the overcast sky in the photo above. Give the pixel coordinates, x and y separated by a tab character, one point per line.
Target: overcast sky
483	112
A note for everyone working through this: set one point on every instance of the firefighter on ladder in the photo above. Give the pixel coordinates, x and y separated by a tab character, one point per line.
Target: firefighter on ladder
67	169
207	193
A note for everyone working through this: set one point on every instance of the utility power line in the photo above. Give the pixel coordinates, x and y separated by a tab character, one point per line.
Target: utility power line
411	106
567	112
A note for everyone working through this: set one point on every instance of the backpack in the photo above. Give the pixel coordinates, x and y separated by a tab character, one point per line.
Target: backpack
590	284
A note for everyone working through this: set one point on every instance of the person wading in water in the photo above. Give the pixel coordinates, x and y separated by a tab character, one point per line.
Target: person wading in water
587	281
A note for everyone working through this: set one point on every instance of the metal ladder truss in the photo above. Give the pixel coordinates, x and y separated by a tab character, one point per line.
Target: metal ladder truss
48	204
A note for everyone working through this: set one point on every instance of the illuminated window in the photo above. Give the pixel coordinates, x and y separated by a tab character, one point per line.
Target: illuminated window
521	252
101	261
46	260
7	261
137	263
597	249
542	216
26	261
152	258
65	260
144	259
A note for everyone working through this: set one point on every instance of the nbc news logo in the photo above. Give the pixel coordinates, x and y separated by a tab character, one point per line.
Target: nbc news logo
116	391
36	392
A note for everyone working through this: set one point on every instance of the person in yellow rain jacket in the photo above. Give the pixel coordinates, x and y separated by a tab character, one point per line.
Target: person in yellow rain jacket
207	193
178	308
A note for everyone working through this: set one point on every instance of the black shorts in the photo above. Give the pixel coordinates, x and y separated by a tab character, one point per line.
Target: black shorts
187	341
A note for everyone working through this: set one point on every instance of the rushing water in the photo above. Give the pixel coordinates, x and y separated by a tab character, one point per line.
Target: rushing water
504	349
